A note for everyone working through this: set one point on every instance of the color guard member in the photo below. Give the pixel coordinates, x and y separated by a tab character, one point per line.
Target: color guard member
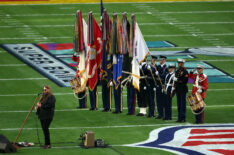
200	85
181	88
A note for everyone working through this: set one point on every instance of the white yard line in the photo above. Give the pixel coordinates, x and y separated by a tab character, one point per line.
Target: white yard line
141	24
157	35
22	79
43	38
196	12
86	109
217	60
188	35
12	65
100	127
60	94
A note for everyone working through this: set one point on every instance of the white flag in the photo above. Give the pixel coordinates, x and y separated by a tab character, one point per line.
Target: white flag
83	61
140	55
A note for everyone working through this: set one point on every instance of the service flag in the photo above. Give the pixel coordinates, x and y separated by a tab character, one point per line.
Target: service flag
83	59
78	39
140	53
94	51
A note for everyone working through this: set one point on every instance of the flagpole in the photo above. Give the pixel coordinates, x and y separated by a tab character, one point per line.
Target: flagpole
163	87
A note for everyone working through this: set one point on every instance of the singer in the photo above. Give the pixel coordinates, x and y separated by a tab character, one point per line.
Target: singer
45	111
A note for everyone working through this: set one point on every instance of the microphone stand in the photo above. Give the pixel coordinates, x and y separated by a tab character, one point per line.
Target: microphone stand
25	121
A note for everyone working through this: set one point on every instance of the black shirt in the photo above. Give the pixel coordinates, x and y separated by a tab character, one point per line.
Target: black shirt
46	111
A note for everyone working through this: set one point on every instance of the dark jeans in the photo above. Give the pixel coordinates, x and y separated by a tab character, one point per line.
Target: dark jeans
45	123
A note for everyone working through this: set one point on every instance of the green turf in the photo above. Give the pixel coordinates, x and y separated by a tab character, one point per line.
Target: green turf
114	129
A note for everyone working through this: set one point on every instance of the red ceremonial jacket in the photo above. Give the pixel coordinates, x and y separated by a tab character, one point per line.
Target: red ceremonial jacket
200	81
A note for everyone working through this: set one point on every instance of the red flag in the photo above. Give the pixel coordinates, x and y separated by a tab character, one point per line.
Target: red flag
94	51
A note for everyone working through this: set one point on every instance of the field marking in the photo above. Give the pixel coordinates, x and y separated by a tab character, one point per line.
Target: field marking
117	126
156	35
43	38
217	60
22	79
195	12
141	24
60	94
138	3
188	35
87	109
101	127
12	65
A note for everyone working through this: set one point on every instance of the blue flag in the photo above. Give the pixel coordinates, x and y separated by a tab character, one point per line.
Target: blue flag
102	8
117	69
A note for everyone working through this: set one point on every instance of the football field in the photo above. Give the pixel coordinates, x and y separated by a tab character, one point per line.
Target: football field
184	24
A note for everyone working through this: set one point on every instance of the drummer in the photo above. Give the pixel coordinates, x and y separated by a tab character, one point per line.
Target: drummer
200	85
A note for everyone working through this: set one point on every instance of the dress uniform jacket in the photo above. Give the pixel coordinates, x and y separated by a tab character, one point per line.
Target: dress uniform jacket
200	81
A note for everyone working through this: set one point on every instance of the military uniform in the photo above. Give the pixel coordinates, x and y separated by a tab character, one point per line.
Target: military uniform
142	96
167	97
131	91
200	85
106	78
162	71
181	88
152	87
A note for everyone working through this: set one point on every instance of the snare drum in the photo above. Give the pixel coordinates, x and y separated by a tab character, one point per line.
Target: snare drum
76	85
196	102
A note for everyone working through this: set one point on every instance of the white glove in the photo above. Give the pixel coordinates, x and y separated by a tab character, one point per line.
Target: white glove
144	87
199	91
140	67
148	67
156	73
175	79
154	89
111	83
199	87
172	89
162	91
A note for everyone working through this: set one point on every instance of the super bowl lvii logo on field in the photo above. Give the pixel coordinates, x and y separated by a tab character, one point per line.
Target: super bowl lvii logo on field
199	140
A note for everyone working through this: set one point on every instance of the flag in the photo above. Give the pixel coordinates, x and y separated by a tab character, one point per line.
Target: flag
117	51
94	51
78	39
102	8
140	53
127	67
125	34
106	53
104	38
83	59
117	69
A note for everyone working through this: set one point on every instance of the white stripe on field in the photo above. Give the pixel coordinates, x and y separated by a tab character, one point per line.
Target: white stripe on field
43	38
217	60
119	126
157	35
86	109
194	12
227	89
126	2
189	35
12	65
20	79
142	24
100	127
